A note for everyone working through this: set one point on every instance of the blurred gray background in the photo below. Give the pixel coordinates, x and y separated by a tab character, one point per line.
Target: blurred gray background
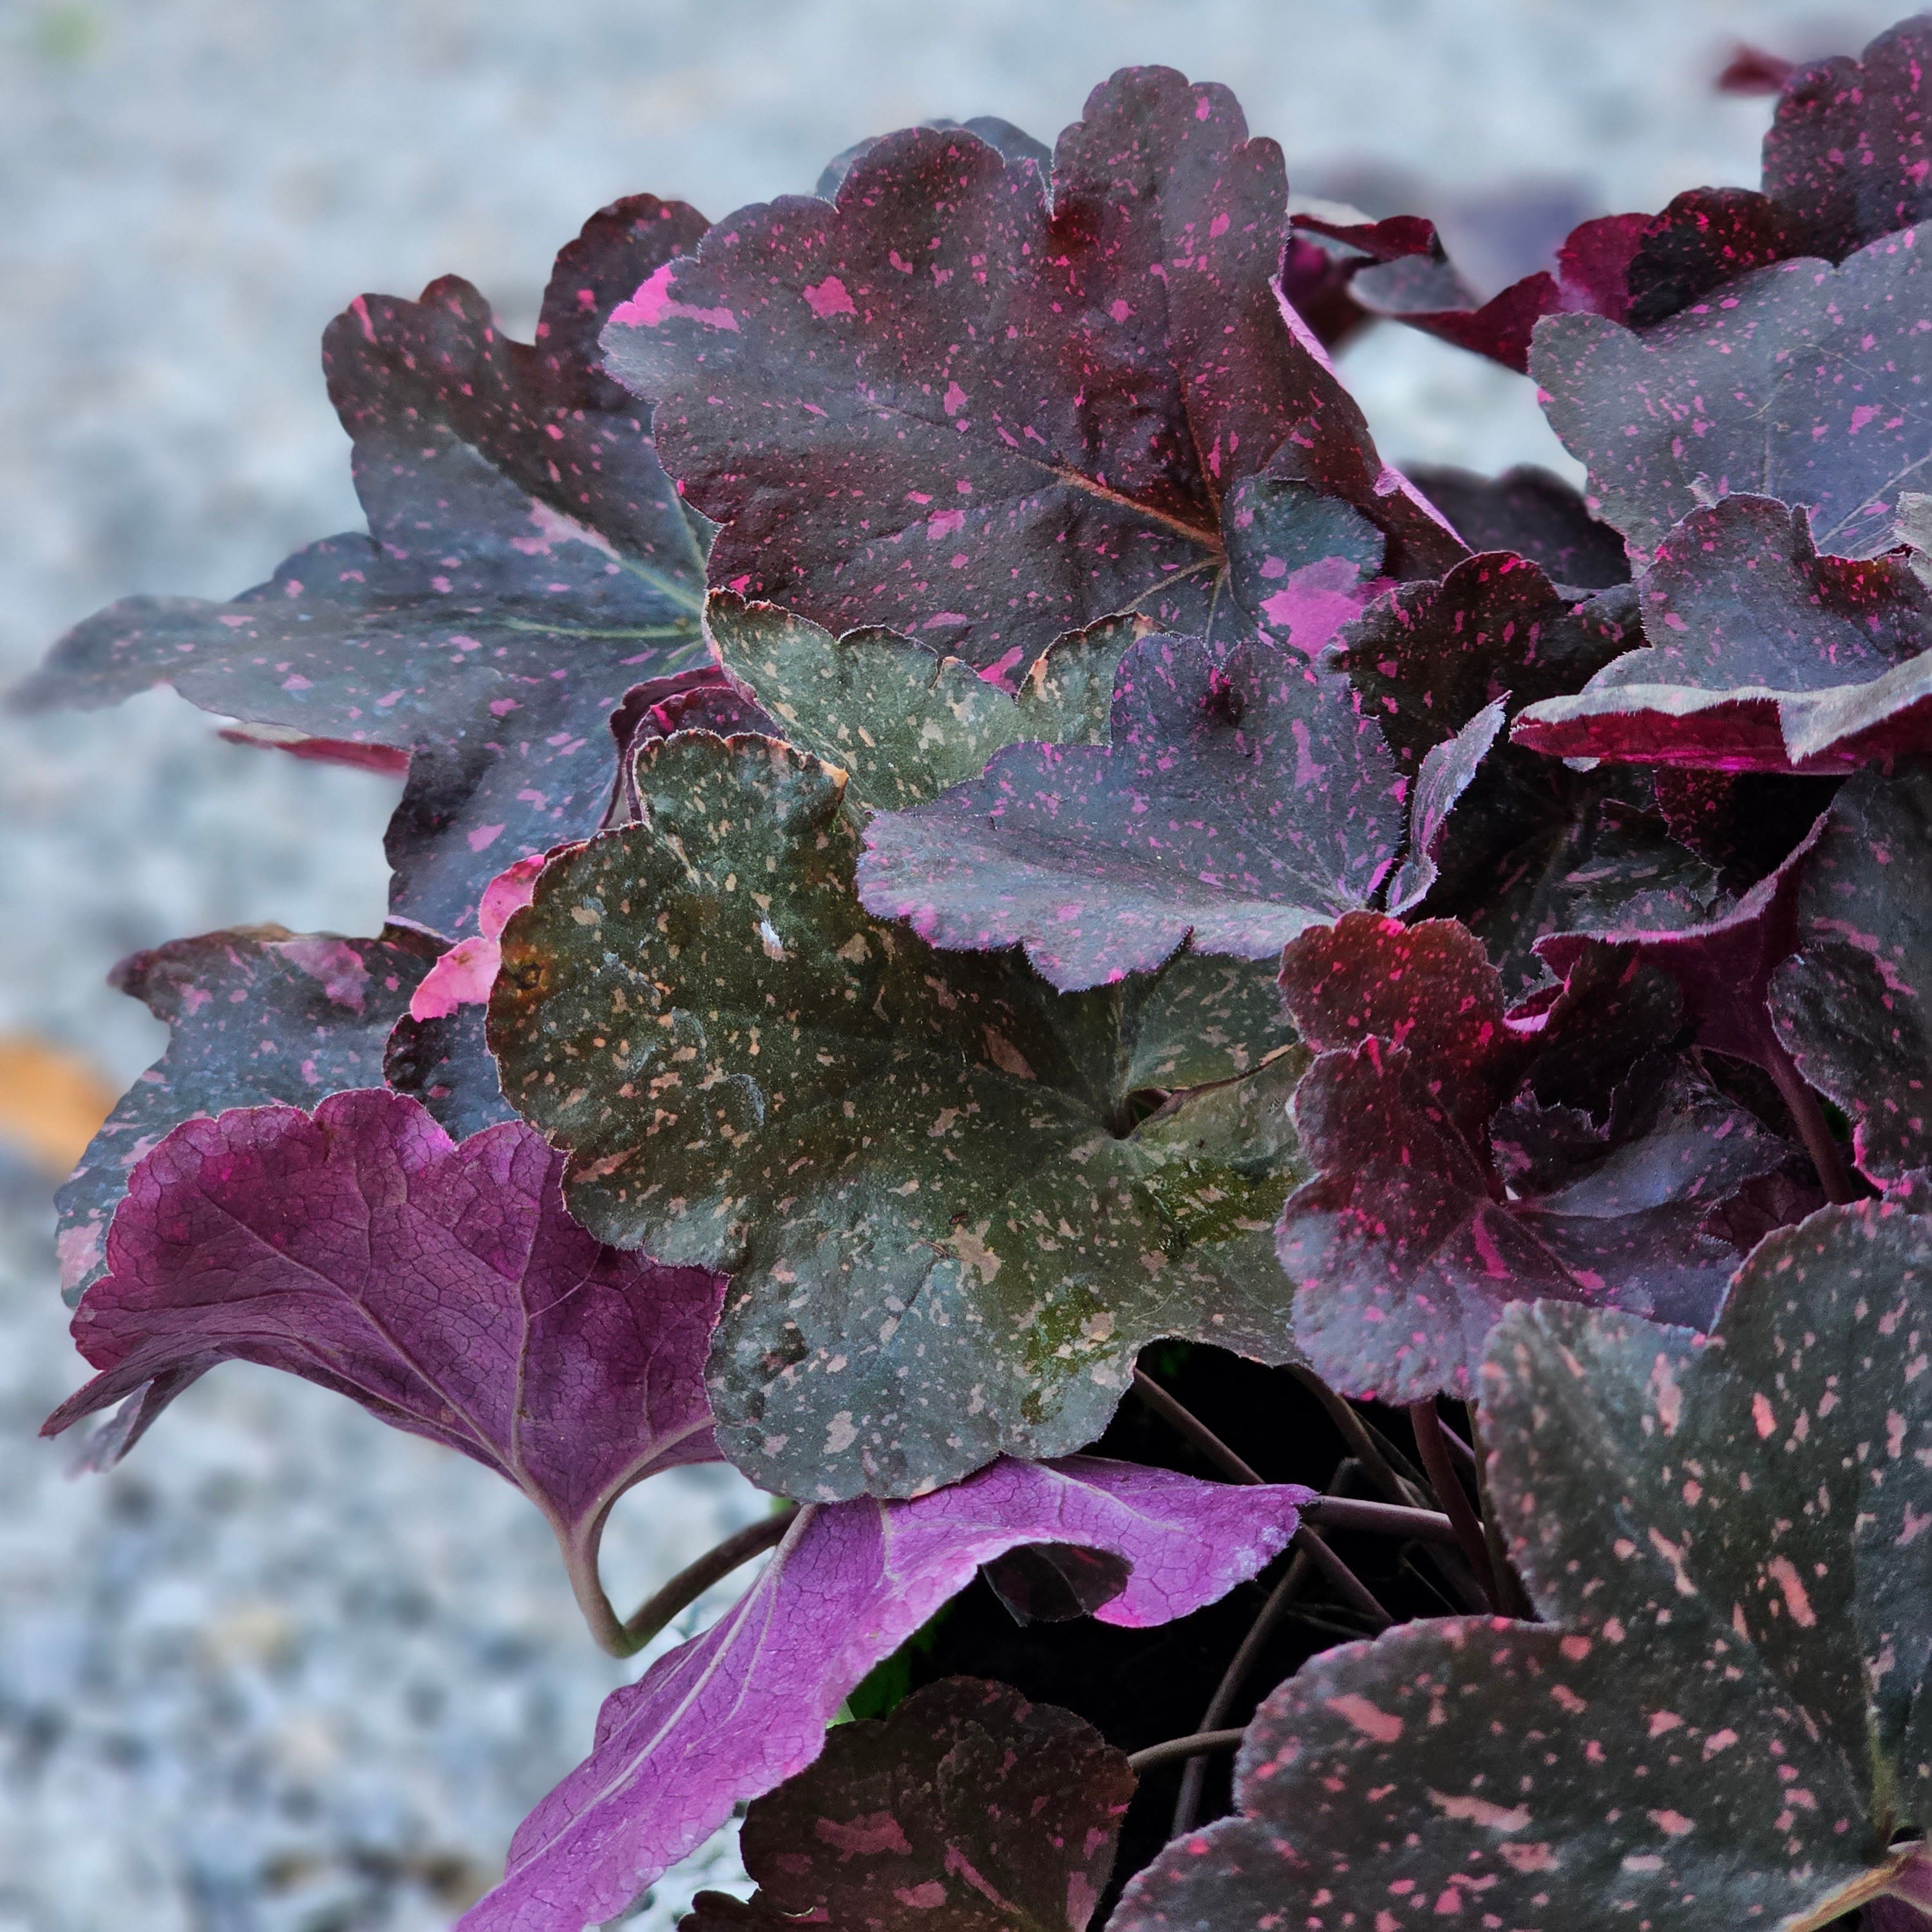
288	1670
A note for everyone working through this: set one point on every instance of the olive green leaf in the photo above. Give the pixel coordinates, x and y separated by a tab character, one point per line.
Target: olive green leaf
903	723
957	1202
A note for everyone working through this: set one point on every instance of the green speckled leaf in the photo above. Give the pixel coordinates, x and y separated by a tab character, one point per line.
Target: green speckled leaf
953	1221
903	722
1724	1722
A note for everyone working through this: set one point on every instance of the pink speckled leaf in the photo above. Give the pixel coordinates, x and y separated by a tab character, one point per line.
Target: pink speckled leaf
1805	383
1415	1233
1760	655
1851	1004
1719	1723
985	403
527	561
737	1710
442	1287
968	1810
1531	513
1241	802
254	1016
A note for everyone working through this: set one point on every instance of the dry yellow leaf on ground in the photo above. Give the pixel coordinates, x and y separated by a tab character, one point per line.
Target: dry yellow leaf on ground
51	1102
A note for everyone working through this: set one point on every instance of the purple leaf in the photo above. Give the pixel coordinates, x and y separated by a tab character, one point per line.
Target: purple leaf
985	408
737	1710
1705	237
1448	770
1240	802
442	1287
1803	384
1408	1245
446	1064
1301	565
254	1016
968	1810
1851	1005
1761	656
527	561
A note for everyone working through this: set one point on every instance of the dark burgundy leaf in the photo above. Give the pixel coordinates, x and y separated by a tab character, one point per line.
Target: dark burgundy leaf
1744	824
1716	1725
1851	1005
254	1016
698	700
1761	655
1805	383
1848	152
1239	802
1054	1582
1412	1239
1532	513
1013	144
528	561
442	1287
1722	966
1705	237
1752	70
968	1810
739	1710
1407	276
948	404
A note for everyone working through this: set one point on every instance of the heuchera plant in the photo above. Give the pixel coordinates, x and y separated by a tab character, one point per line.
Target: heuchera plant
1253	1087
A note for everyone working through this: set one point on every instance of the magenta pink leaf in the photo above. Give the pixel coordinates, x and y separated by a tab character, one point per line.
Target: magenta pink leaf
1761	655
735	1712
442	1287
985	407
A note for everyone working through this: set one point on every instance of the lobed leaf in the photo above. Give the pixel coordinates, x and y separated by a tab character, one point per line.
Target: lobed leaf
527	560
441	1286
1241	800
254	1016
1413	1239
1802	384
951	1221
736	1712
984	405
1849	1004
1722	1722
1761	656
968	1810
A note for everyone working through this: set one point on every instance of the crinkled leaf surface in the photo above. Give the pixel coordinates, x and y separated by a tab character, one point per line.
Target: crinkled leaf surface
968	1810
527	561
737	1710
1239	802
985	407
442	1287
1805	382
902	723
1407	1245
1532	513
1850	1005
1761	655
254	1016
950	1224
1715	1726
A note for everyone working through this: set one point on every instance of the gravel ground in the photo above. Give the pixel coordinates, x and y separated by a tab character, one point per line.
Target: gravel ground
291	1671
